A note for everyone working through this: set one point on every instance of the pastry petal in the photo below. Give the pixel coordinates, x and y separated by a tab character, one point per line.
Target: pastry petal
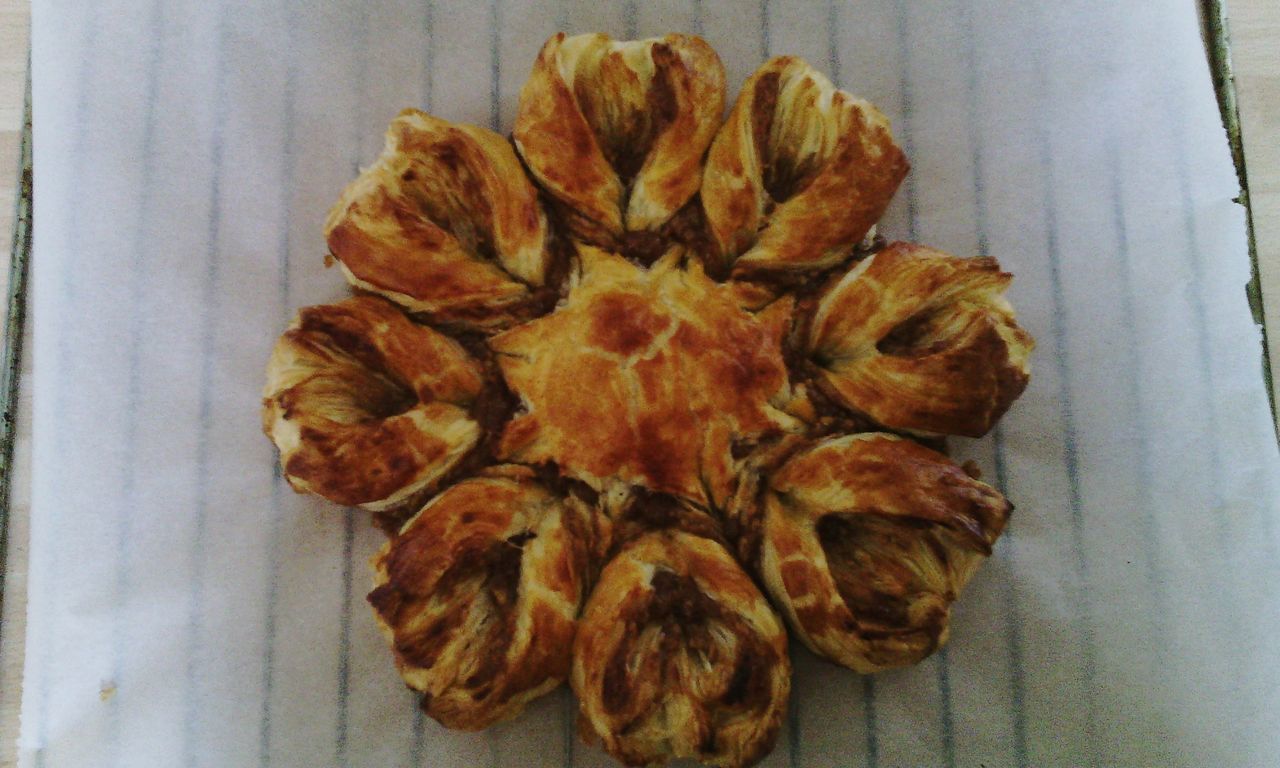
479	595
921	340
444	224
679	655
799	173
366	407
615	131
864	541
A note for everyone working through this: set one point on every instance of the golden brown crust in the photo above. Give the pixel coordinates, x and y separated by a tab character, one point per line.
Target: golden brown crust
645	377
367	408
615	131
479	594
679	655
921	340
799	173
444	224
666	422
866	540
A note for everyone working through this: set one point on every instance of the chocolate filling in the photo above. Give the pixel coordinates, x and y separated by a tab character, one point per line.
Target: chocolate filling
560	250
803	369
689	228
649	511
784	175
626	140
683	613
867	557
904	340
764	104
915	337
466	214
643	247
378	392
492	574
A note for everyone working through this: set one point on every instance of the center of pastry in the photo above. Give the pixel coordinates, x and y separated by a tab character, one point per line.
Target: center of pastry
625	323
645	377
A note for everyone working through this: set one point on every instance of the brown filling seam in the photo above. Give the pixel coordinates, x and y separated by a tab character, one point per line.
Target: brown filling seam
681	611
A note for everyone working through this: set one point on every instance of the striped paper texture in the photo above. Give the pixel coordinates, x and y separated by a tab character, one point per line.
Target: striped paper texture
187	609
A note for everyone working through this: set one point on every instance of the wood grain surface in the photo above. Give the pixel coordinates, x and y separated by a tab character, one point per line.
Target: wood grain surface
1255	53
15	16
1255	33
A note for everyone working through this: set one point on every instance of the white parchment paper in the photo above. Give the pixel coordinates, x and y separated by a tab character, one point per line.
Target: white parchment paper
187	609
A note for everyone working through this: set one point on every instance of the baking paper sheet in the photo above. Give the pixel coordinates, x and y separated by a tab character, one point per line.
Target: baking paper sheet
187	609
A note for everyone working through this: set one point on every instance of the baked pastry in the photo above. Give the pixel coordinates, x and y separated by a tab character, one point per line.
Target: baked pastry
678	655
479	595
798	175
669	374
444	224
615	131
921	340
677	374
367	408
864	541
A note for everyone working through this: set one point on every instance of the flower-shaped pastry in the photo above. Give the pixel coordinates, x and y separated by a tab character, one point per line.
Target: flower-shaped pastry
640	388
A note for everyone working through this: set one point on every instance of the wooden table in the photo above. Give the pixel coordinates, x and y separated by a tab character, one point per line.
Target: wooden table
15	18
1255	30
1255	52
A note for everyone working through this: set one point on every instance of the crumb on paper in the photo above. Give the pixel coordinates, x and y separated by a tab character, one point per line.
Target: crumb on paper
107	690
